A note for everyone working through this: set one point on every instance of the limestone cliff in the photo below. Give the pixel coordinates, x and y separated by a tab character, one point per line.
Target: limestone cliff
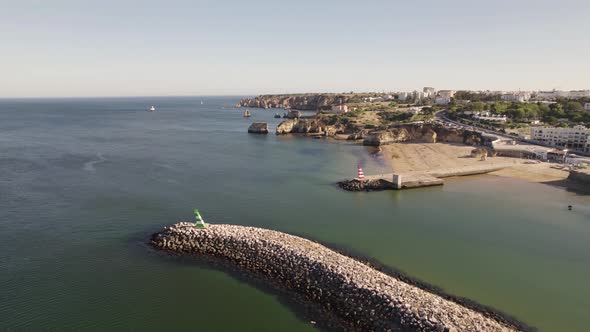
311	126
427	133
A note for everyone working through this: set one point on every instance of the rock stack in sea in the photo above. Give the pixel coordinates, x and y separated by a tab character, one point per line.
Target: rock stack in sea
258	128
360	295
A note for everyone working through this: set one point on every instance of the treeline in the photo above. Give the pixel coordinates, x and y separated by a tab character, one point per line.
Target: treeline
476	96
523	112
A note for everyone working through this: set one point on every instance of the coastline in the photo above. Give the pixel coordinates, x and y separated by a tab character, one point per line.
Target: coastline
364	295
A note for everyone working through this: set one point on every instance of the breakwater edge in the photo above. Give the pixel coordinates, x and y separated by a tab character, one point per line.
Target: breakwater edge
357	293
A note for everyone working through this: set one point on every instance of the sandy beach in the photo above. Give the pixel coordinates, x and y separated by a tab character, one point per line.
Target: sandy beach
430	157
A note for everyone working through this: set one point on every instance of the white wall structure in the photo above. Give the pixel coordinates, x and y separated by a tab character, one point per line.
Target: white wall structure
576	138
491	118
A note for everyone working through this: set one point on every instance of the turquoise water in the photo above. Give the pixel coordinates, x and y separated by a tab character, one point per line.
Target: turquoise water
84	182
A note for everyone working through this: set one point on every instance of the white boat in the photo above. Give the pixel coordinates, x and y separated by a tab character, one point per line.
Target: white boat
201	102
152	109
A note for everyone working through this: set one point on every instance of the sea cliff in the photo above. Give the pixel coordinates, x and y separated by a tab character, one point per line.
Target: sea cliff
410	132
369	300
423	133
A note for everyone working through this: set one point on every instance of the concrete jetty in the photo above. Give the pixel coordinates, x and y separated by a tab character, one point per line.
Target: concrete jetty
369	300
413	179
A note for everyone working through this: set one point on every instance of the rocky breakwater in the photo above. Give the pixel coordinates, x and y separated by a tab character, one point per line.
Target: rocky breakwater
367	299
299	102
258	128
422	132
368	185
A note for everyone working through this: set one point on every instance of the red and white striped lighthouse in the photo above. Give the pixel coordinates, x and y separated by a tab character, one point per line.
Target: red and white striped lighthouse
361	174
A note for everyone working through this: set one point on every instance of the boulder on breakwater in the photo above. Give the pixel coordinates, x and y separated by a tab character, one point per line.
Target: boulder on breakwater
366	298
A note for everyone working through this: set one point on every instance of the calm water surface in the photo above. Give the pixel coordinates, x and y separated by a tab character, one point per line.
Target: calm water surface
84	182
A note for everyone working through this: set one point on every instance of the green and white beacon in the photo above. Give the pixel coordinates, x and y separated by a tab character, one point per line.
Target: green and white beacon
200	223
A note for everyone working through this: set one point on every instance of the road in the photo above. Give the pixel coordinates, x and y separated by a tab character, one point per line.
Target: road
441	117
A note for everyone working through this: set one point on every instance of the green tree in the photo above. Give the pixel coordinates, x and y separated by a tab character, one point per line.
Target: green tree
573	106
516	113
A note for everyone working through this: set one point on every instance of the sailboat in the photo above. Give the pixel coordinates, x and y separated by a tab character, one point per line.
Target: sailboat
201	102
153	108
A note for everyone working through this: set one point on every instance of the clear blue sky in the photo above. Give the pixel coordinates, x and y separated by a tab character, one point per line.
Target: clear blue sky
118	48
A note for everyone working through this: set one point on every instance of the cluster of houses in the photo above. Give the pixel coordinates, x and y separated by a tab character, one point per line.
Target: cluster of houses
444	97
441	97
554	94
525	96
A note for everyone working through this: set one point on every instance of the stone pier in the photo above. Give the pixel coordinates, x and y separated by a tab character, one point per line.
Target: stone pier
365	298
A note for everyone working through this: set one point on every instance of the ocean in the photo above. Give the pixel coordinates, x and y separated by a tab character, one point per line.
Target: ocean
84	182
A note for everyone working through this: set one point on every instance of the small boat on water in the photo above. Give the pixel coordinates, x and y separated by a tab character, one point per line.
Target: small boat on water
152	109
246	114
277	116
201	102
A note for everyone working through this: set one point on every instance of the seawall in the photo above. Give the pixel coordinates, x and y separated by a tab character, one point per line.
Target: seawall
357	293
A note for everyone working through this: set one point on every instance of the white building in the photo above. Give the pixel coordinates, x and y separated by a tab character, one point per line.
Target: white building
579	94
546	95
446	93
339	109
552	95
402	96
516	96
428	91
587	106
440	100
419	95
372	99
491	118
575	138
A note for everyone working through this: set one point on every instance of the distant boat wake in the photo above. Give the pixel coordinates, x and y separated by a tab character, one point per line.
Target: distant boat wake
89	166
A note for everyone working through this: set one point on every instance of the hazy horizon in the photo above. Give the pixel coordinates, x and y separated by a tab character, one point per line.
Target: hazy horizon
199	48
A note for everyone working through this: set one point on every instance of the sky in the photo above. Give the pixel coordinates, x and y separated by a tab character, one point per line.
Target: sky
159	48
